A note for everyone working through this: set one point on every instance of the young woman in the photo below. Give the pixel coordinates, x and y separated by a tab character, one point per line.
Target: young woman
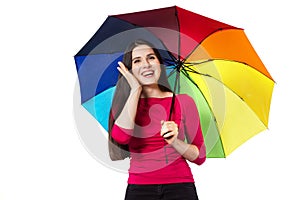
140	129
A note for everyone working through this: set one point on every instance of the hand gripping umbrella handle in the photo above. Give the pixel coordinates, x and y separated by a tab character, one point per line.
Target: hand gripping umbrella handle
170	114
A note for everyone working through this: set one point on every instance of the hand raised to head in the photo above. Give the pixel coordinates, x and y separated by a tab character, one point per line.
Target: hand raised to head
132	81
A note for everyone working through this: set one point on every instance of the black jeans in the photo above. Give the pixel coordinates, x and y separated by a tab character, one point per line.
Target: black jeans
176	191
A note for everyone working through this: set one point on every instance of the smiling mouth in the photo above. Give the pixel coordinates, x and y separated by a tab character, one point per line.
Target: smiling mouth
148	74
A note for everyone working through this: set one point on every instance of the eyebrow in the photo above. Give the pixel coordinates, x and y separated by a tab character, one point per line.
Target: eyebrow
135	58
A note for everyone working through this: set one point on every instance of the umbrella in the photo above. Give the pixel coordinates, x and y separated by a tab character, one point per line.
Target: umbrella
211	61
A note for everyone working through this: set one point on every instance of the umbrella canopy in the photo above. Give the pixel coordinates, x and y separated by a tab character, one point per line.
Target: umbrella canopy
211	61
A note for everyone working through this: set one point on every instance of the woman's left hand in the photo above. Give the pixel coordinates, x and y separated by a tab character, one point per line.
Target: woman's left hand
169	131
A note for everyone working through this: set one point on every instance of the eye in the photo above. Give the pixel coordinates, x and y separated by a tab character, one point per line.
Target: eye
136	61
152	57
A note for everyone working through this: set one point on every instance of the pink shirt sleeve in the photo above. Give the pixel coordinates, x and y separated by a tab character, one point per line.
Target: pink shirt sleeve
121	135
192	127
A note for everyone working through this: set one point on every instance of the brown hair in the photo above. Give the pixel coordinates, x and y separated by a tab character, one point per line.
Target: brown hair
118	151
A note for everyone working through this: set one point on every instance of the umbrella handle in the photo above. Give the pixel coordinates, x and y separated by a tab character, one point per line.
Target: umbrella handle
167	137
172	106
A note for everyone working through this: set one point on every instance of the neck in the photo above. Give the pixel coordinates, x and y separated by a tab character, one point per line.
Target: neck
154	91
151	91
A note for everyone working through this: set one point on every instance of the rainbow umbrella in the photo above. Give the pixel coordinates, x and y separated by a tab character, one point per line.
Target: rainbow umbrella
211	61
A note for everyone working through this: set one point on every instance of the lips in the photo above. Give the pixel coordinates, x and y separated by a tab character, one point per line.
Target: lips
148	73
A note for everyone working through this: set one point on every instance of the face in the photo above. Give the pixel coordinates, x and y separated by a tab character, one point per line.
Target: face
145	65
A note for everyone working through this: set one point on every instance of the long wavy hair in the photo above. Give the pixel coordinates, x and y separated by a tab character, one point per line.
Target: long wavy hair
118	151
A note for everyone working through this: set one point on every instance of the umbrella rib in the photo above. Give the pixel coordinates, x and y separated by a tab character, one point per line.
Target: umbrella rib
171	73
217	30
207	75
220	59
188	64
200	62
178	24
184	72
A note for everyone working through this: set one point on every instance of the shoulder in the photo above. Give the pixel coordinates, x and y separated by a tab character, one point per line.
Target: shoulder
184	98
186	102
188	106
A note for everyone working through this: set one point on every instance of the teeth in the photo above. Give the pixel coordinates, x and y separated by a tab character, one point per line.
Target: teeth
148	73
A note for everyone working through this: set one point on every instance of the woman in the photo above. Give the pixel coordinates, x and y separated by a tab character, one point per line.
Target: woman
139	125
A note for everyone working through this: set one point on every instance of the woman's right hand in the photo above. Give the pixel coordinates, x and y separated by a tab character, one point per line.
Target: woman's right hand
132	81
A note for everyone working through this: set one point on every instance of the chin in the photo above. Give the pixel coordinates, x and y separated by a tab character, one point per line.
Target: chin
148	83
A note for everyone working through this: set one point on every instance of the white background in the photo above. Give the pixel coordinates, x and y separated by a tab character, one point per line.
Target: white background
41	154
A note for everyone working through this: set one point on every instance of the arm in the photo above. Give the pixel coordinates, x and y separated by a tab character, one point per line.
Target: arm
194	150
170	132
127	116
193	131
188	151
124	124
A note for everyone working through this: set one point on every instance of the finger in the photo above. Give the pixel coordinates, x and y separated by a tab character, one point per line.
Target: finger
165	131
121	71
169	130
163	127
170	125
122	66
167	126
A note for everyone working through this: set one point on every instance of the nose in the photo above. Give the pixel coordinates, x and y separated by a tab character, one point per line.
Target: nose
146	63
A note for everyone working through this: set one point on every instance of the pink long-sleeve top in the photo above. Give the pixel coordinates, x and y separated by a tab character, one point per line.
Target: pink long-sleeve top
152	160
